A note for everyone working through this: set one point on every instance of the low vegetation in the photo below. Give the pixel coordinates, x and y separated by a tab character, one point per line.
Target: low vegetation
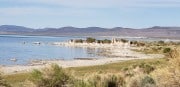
100	80
51	77
163	72
125	67
124	40
93	40
3	82
90	40
169	76
109	75
104	41
166	50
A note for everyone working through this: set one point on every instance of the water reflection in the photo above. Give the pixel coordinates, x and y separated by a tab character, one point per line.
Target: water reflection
23	49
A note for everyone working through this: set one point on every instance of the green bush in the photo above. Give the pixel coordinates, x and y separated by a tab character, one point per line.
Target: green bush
36	76
161	42
53	77
124	40
90	40
146	68
166	50
102	81
141	81
134	82
57	77
106	41
99	41
147	81
125	69
79	41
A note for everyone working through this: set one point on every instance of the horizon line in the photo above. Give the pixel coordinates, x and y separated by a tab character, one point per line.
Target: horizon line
90	27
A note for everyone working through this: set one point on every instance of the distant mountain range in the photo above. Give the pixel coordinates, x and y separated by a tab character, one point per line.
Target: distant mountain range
157	31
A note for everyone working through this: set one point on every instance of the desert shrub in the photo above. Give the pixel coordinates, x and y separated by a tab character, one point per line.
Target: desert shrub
95	81
81	83
3	82
129	74
174	53
169	76
124	40
143	67
146	68
159	48
90	40
148	81
134	82
104	81
141	81
134	42
112	82
154	50
166	50
106	41
141	43
57	77
51	77
161	42
125	69
99	41
37	76
171	53
79	41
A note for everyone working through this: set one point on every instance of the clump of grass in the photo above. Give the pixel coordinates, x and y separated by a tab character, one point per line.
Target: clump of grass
3	82
166	50
169	76
108	80
18	79
141	81
144	68
147	68
148	81
51	77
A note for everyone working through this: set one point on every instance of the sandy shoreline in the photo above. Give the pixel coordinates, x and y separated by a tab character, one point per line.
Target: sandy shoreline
116	56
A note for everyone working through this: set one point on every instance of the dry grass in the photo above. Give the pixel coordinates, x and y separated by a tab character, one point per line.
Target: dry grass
169	76
18	80
117	67
132	73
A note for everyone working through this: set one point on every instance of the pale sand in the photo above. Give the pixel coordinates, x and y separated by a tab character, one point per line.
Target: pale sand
121	55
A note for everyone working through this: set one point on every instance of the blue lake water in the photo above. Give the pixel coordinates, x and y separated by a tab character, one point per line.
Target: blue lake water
23	49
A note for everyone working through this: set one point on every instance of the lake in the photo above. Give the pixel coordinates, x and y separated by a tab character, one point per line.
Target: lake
24	50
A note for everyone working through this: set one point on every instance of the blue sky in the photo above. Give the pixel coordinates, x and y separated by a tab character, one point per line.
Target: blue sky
88	13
